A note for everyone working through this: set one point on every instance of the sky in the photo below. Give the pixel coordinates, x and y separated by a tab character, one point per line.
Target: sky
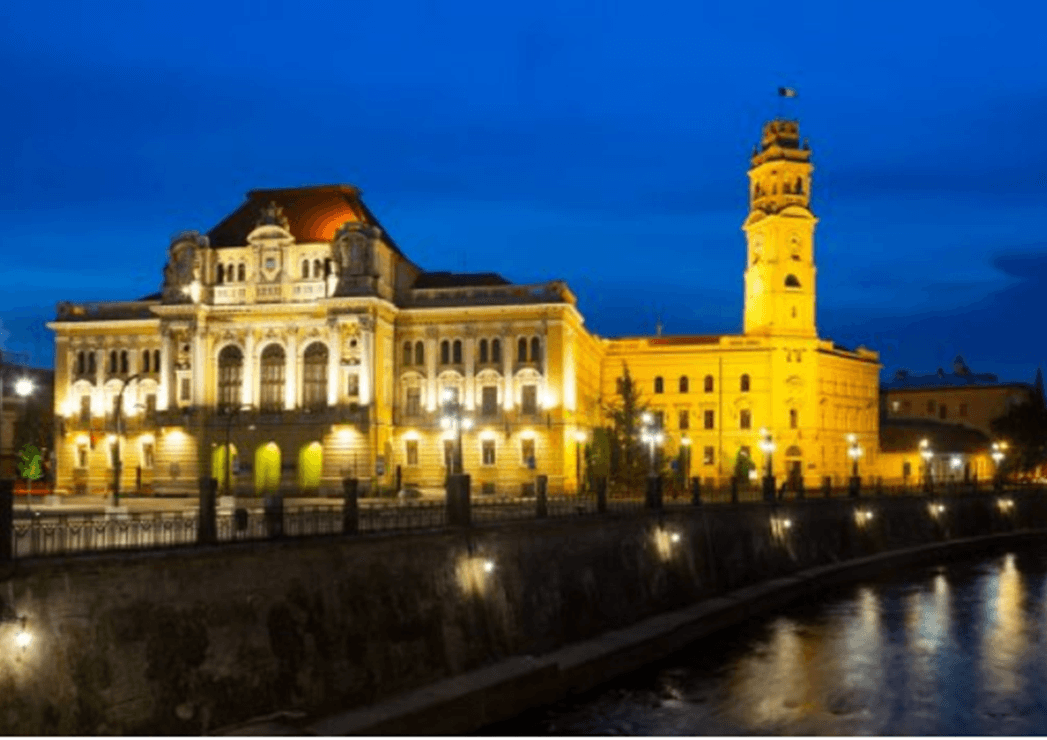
602	143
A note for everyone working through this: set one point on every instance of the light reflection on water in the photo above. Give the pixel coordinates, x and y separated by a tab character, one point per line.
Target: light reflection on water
957	649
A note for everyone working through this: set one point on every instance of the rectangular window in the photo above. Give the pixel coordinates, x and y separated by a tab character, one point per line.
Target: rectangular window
943	411
745	419
488	452
147	455
685	420
526	451
412	451
709	456
930	407
352	385
529	399
963	409
448	454
85	409
183	391
710	419
414	402
81	455
489	404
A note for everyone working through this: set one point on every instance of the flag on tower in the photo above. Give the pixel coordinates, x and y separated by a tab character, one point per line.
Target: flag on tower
786	92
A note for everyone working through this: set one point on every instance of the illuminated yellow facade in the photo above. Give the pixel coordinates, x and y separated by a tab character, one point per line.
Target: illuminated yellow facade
297	329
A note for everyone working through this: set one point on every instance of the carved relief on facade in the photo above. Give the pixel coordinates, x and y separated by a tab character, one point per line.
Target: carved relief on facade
350	344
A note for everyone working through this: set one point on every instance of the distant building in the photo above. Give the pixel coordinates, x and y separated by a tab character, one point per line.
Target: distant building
299	328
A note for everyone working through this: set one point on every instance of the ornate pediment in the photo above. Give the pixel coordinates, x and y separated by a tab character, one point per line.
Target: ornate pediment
272	215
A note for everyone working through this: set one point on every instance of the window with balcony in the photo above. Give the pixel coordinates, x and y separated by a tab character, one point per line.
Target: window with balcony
272	379
411	450
529	399
314	378
413	407
230	378
489	400
241	272
745	419
710	419
488	452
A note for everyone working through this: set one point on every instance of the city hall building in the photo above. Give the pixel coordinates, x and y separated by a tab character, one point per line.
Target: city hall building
299	336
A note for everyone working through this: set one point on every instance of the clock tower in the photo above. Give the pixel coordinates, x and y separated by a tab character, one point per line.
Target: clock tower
780	272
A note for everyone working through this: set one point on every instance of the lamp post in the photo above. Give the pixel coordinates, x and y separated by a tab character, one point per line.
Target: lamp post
117	463
651	435
767	445
685	443
997	458
954	466
579	438
854	450
453	419
926	453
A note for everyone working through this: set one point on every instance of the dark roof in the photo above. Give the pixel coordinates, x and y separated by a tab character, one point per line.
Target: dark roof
904	435
458	279
314	214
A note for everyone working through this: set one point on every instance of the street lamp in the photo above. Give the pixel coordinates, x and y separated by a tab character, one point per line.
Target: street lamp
579	438
651	435
854	451
685	443
997	458
767	445
453	419
926	453
117	463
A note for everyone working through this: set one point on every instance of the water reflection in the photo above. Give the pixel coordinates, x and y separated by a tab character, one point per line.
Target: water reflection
952	650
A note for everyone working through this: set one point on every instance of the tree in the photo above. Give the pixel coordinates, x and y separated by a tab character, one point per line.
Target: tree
1024	428
30	466
627	455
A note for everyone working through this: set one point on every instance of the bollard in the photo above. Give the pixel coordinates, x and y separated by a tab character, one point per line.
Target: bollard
7	519
696	491
734	490
654	492
207	528
458	514
541	500
274	516
350	506
601	495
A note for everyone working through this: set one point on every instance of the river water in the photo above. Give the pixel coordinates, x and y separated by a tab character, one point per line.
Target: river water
955	649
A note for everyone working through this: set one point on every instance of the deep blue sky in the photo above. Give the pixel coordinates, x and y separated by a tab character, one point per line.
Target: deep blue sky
604	143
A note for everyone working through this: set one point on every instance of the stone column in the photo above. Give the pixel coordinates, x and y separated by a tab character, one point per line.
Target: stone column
367	360
291	377
164	400
247	392
199	357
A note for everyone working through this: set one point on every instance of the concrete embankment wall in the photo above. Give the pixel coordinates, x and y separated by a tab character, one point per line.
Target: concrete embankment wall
190	641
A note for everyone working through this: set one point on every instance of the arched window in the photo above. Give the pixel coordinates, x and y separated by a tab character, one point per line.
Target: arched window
659	385
791	281
483	351
123	361
419	353
112	362
230	376
536	350
273	365
318	268
794	418
305	269
230	271
156	360
407	353
685	384
445	352
220	275
91	363
496	350
314	389
456	351
81	363
327	267
708	383
745	383
521	350
241	272
145	361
